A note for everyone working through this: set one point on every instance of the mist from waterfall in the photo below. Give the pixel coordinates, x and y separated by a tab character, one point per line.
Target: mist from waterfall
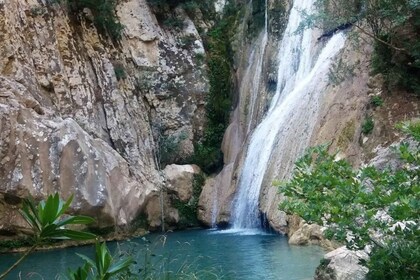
287	127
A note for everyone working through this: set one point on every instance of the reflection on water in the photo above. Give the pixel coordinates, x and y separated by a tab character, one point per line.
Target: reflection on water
229	254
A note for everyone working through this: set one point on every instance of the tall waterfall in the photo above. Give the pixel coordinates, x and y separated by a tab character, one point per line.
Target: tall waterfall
257	78
286	129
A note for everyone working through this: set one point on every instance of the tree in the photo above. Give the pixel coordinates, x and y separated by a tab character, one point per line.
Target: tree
378	208
393	24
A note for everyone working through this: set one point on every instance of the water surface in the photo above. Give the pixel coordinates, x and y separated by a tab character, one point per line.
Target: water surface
230	254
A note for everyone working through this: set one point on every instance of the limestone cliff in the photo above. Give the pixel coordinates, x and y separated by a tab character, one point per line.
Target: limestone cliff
80	114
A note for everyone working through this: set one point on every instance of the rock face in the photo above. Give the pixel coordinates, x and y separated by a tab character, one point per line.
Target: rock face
301	233
179	180
342	264
81	115
253	93
161	211
344	107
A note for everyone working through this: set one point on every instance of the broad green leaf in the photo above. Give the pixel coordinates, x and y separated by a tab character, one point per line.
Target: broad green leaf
50	230
87	260
31	219
65	206
120	265
81	220
49	209
73	234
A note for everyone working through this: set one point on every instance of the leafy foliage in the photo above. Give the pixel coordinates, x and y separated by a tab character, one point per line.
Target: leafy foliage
104	16
376	101
367	125
102	268
219	100
395	262
169	148
373	207
47	222
393	24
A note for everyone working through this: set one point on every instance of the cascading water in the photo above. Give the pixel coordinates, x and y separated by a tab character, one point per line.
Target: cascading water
250	85
288	124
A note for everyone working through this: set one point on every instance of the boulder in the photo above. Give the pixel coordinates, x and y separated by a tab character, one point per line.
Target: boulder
179	180
342	264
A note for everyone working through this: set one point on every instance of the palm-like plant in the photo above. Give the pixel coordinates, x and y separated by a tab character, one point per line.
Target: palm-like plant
47	222
102	268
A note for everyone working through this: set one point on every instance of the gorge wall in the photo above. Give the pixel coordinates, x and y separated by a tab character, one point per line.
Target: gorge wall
83	115
344	107
86	115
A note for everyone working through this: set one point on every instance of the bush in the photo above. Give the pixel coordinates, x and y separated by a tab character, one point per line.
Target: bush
207	153
120	72
367	126
105	18
376	101
379	208
399	261
169	146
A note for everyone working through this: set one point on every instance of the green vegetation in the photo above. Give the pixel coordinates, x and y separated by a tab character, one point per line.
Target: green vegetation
188	211
46	222
102	268
169	147
376	101
104	16
165	10
368	125
15	243
219	100
394	25
363	207
119	71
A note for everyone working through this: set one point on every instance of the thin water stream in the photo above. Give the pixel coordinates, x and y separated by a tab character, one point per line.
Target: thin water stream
208	254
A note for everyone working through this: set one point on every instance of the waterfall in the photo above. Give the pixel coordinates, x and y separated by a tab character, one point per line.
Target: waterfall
258	70
286	129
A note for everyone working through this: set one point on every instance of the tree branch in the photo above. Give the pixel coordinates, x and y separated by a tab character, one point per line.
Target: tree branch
378	39
4	274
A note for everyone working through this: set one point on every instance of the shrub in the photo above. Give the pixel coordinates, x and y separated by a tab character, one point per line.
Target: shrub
207	153
379	208
174	22
367	126
105	18
376	101
393	24
398	261
120	72
169	147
